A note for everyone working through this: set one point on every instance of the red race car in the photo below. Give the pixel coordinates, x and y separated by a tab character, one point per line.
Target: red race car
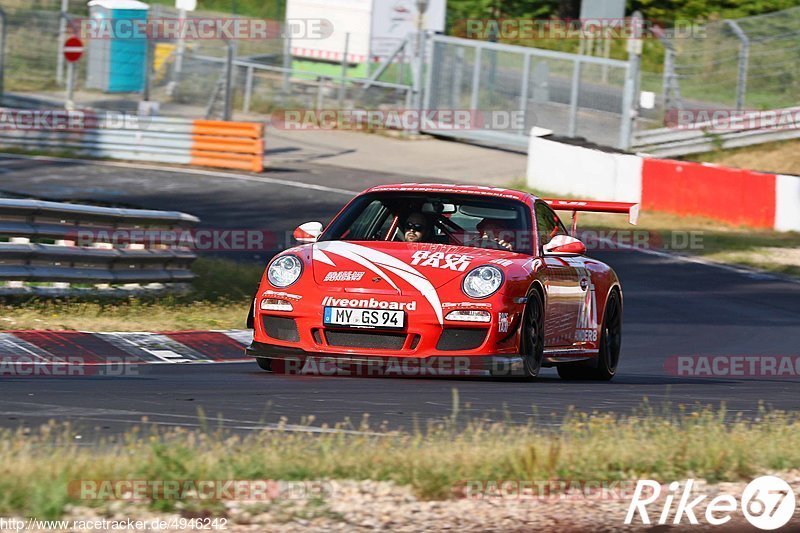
474	280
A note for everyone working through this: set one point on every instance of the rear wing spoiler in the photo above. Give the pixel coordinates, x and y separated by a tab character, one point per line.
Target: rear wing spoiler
593	206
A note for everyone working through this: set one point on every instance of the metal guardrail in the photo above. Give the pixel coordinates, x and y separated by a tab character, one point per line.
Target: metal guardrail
236	145
708	136
46	247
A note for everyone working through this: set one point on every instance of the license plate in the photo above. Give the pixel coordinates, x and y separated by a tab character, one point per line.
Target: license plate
363	318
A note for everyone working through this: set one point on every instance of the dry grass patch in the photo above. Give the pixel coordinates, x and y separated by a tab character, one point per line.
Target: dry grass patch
780	157
715	445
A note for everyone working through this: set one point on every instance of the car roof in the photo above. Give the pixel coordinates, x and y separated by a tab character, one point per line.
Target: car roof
477	190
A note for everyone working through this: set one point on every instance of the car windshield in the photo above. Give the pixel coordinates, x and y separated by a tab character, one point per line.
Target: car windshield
458	219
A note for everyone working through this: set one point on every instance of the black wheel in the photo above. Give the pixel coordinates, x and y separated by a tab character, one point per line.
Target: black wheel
532	345
610	343
264	363
611	338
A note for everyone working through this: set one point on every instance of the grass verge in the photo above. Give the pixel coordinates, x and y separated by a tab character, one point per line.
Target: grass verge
778	157
219	299
668	445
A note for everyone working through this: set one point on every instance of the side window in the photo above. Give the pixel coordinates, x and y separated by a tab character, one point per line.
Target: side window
548	225
367	223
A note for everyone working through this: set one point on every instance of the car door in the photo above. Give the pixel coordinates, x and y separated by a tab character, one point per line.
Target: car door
563	281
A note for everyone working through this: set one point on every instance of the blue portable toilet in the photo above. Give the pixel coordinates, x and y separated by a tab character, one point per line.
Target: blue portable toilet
118	52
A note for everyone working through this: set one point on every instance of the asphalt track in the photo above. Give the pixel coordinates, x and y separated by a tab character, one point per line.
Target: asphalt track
672	307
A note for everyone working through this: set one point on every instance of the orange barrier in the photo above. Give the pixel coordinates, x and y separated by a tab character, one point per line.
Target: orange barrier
741	197
236	145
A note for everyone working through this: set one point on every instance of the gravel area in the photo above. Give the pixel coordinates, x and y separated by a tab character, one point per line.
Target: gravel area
370	505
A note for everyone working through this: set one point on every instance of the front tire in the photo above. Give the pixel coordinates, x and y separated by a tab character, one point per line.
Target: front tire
532	343
264	363
610	344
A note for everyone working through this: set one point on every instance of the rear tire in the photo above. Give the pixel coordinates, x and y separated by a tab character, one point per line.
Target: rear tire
264	363
532	331
610	344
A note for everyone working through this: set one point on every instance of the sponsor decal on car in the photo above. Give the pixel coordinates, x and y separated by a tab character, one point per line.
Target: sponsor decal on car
457	262
280	294
466	305
371	303
502	322
586	327
502	262
380	263
344	275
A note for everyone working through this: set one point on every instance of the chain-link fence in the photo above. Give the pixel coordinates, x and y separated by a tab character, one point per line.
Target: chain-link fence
570	94
186	76
747	63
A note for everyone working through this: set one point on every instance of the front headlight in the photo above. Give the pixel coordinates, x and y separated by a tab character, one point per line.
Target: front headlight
482	282
284	271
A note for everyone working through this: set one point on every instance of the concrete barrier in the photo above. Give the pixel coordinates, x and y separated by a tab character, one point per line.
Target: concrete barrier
565	169
211	143
734	196
787	203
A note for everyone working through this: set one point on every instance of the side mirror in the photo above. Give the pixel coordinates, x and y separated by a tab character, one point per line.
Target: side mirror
308	232
564	245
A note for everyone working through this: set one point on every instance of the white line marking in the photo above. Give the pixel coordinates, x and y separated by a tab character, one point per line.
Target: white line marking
168	356
246	424
198	172
13	343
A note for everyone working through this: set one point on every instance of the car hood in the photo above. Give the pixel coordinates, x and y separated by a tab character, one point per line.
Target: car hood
394	267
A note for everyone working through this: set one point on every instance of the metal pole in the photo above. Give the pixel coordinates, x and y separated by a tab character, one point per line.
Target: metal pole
2	52
287	58
320	93
62	35
70	85
572	129
436	51
344	69
248	90
629	104
147	55
420	72
606	52
523	93
228	110
476	80
669	58
744	58
176	72
458	74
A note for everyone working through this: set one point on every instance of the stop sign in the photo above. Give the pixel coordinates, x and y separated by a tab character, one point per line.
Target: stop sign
73	49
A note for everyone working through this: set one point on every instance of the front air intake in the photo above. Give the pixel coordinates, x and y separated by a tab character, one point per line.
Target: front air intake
375	341
282	329
457	339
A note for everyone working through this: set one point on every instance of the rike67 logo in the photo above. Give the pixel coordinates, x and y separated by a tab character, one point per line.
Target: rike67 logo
767	502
